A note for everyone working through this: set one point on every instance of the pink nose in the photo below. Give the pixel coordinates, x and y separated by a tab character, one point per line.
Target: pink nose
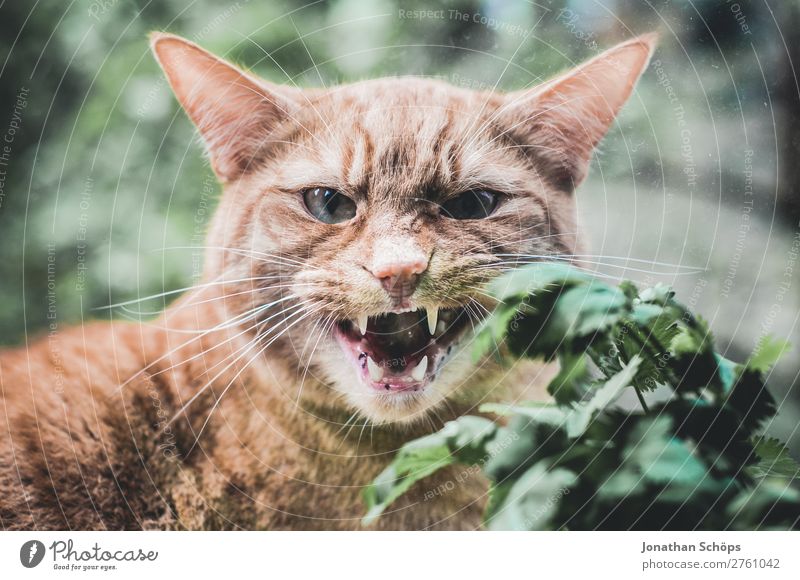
400	278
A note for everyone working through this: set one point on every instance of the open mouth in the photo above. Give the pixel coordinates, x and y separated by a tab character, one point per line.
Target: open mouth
398	352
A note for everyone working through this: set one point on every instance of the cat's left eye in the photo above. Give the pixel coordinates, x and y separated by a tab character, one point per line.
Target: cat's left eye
328	205
474	204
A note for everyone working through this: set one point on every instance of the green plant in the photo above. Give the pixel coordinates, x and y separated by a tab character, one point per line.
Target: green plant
696	460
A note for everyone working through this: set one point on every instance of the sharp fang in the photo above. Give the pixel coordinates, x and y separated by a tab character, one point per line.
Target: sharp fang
419	371
375	372
362	324
433	316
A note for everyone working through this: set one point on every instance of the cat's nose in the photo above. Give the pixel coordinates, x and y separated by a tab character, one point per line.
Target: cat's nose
403	273
397	262
400	269
400	277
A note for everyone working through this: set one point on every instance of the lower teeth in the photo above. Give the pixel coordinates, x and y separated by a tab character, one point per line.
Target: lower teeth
375	372
417	373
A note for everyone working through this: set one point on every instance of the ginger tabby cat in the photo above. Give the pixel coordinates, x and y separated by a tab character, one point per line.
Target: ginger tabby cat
342	277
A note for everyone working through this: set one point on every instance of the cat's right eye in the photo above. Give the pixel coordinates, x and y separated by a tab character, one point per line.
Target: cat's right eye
328	205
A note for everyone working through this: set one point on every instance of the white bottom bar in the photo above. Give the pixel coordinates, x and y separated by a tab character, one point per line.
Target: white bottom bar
402	555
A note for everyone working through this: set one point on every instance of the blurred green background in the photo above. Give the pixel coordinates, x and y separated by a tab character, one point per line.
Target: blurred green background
105	189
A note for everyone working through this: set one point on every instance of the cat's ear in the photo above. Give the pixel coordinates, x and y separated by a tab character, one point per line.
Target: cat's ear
232	110
561	121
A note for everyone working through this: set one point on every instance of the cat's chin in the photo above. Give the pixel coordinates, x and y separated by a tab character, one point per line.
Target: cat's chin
397	356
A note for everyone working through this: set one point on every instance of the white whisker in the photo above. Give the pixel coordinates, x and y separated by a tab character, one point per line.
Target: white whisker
327	324
581	258
216	345
238	355
188	342
179	290
238	374
273	258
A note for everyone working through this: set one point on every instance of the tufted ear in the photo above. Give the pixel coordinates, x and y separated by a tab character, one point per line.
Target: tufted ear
233	111
561	121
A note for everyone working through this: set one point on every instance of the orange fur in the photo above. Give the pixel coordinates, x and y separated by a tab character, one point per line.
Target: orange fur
189	421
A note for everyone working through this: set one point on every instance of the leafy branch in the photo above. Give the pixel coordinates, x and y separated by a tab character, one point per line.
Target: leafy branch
697	460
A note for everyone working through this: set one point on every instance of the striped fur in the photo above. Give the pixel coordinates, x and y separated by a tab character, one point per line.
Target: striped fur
185	422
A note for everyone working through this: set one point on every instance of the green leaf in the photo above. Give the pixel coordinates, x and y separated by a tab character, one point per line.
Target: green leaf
536	278
643	314
773	460
658	294
543	412
492	332
571	380
566	319
772	504
581	415
591	307
470	438
524	444
751	399
630	290
692	339
414	462
727	371
768	351
661	457
576	418
464	439
532	500
650	340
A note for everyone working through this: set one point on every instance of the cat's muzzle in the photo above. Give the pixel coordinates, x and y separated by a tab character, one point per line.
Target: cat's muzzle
401	352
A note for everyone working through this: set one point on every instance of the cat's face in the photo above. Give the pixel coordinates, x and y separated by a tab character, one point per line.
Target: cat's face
394	198
370	216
